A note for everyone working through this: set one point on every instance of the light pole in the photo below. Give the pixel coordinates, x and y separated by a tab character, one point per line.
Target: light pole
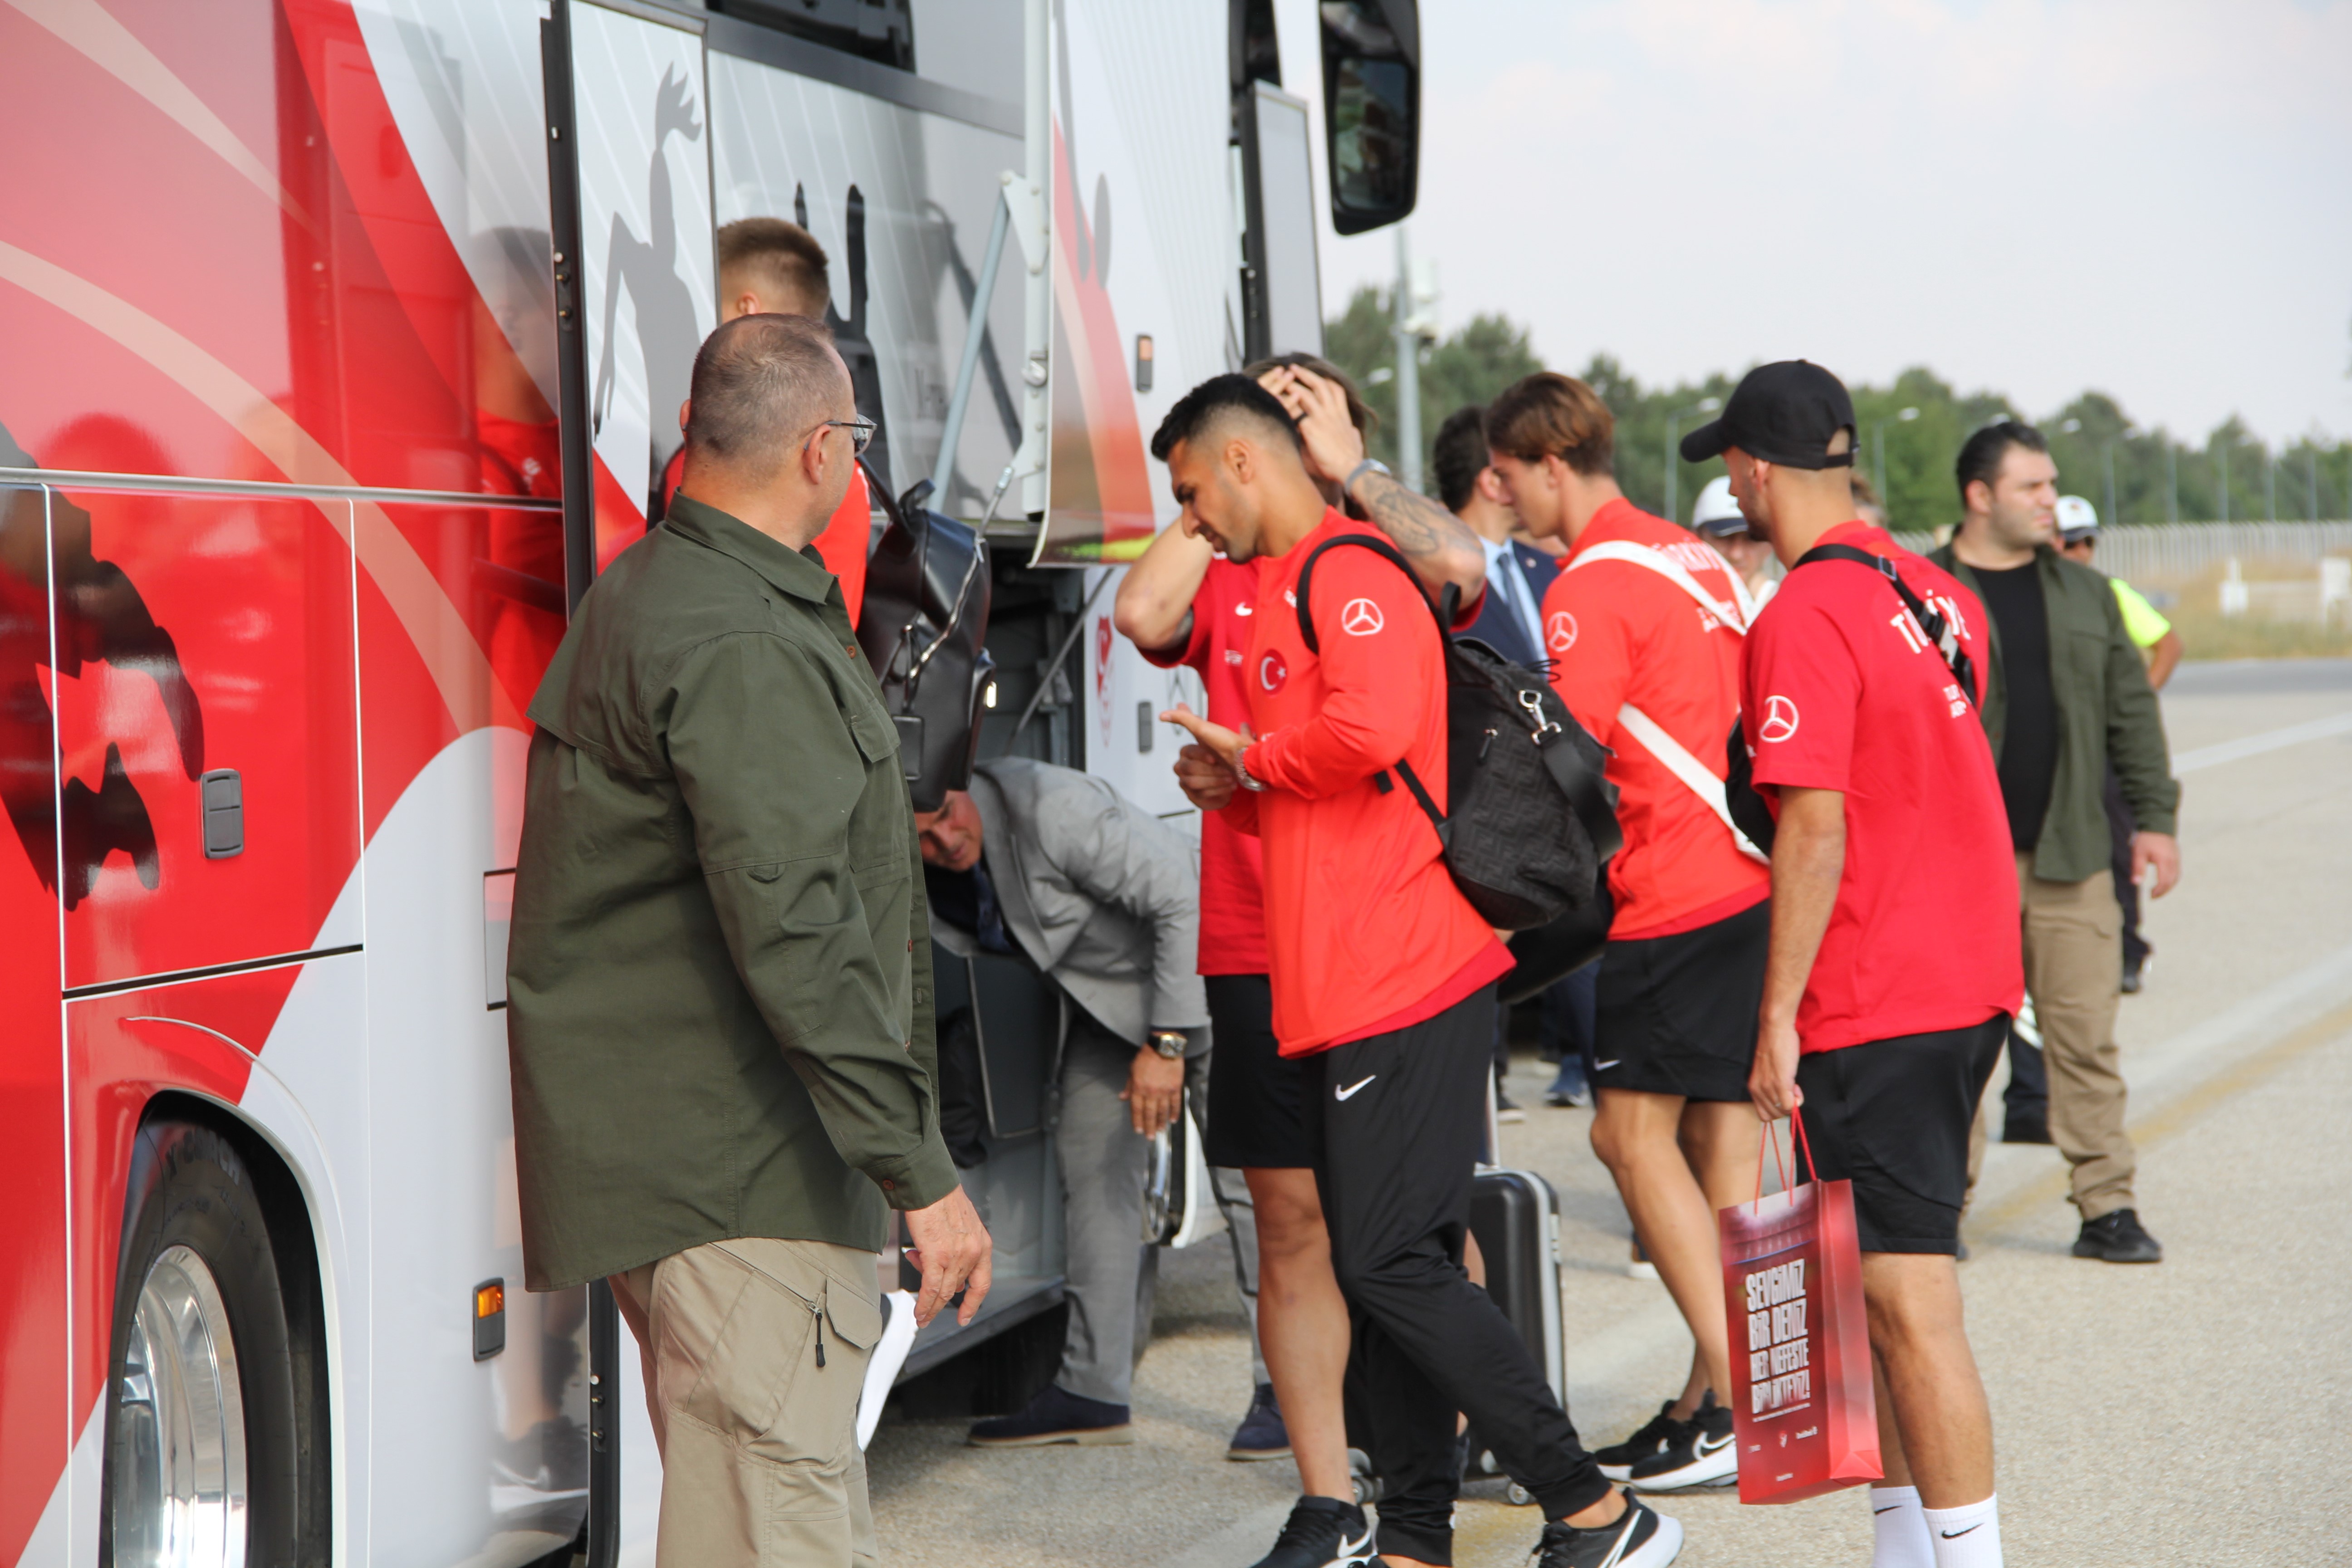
1878	445
1674	464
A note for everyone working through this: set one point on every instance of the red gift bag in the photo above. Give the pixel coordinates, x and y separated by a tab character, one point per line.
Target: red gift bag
1801	1405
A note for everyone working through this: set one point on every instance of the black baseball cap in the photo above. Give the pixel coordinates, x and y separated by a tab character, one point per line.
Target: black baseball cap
1786	412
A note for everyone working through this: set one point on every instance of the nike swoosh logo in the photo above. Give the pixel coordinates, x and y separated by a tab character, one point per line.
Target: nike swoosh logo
1955	1534
1705	1447
1604	1067
1350	1091
1897	1506
1350	1548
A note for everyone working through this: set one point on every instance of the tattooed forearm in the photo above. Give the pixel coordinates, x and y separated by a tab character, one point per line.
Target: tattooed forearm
1433	538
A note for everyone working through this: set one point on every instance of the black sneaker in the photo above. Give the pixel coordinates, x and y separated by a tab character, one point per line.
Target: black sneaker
2118	1237
1618	1460
1056	1416
1702	1453
1640	1539
1322	1533
1262	1433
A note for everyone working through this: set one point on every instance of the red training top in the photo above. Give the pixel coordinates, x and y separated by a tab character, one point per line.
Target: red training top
1844	693
844	542
1364	926
1232	878
1619	634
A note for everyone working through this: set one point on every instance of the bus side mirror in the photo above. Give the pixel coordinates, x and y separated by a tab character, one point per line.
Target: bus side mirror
1371	109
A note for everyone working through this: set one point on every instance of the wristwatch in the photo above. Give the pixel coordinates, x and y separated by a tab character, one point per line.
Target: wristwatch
1368	466
1168	1043
1242	772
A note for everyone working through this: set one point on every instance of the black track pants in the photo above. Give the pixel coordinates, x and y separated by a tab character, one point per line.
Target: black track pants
1397	1124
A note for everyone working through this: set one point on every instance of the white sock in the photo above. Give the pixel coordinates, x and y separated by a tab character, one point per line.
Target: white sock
1965	1537
1898	1532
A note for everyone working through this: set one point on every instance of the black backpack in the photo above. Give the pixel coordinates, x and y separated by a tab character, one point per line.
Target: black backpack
1533	820
1740	796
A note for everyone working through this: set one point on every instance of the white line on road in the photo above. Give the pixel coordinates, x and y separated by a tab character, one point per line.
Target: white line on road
2255	745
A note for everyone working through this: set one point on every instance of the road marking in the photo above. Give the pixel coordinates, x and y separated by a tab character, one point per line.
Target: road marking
2255	745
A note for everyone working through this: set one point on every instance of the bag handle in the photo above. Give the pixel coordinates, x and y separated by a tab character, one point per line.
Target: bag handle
1676	760
1771	1136
1651	558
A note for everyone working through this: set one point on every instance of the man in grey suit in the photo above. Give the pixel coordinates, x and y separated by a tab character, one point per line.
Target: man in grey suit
1053	866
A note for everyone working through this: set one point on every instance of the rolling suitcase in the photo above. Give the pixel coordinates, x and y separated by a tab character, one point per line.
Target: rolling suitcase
1515	1214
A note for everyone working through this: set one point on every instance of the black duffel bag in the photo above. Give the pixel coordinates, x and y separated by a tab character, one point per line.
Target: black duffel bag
922	625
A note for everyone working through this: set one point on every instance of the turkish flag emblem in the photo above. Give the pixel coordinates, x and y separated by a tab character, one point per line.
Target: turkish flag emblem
1272	672
1560	631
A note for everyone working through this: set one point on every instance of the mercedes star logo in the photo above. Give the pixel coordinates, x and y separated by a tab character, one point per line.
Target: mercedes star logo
1361	618
1560	631
1779	720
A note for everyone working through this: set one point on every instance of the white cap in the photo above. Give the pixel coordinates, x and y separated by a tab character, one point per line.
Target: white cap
2076	518
1715	507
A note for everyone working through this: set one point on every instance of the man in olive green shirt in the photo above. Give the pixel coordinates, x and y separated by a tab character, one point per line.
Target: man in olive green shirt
718	981
2066	697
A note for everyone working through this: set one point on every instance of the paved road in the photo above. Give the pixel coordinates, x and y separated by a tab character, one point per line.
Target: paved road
2183	1414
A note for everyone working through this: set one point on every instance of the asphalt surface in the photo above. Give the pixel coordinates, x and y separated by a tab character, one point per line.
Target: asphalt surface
2183	1413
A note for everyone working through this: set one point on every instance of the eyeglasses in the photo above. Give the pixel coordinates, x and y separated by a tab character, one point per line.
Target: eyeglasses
861	433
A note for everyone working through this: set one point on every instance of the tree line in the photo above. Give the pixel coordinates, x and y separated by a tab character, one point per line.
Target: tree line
1910	432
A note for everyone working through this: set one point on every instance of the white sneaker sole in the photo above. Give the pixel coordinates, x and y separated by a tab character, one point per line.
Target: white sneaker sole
1659	1550
1720	1469
1618	1473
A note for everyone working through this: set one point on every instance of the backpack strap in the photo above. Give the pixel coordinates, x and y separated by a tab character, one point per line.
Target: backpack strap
1382	548
1739	614
1693	775
1932	624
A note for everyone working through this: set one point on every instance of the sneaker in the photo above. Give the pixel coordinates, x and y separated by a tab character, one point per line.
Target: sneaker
1618	1460
1640	1267
2118	1237
1505	1108
1640	1539
1703	1452
1322	1533
1055	1417
2136	976
1262	1433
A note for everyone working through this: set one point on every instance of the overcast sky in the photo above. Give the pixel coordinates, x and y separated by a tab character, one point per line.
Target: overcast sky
2152	198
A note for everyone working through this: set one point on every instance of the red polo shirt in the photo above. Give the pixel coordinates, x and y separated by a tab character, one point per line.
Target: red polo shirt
1233	884
1364	927
1843	692
1619	634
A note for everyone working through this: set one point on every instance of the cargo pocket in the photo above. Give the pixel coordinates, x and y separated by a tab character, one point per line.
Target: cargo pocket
728	1337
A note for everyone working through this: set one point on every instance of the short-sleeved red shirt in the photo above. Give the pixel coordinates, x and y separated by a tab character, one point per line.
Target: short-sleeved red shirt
1843	692
1620	634
1366	931
1232	879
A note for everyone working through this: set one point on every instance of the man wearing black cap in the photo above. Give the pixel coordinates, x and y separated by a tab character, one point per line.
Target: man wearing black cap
1894	966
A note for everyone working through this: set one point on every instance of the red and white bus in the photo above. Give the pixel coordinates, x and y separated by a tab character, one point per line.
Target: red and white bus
293	297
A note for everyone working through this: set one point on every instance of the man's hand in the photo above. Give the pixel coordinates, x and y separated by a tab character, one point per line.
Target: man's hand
1155	1088
1772	1081
1205	780
1226	745
1333	445
952	1247
2161	850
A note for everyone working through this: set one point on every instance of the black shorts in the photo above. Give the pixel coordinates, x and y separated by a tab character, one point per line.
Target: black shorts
1256	1099
1676	1015
1893	1118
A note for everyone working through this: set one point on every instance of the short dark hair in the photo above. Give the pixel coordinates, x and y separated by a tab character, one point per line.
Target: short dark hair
1213	400
1552	416
1460	455
782	255
1982	454
1360	413
759	381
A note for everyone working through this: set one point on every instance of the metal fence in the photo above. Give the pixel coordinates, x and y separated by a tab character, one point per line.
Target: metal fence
2170	553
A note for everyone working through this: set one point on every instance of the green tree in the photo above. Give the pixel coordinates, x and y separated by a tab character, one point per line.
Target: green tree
1470	364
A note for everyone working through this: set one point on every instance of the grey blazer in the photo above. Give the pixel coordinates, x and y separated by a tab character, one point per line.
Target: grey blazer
1103	895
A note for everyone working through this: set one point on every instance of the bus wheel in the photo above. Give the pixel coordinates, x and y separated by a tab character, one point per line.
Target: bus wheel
204	1450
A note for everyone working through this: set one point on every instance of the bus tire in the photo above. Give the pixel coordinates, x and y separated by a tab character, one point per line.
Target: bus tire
216	1340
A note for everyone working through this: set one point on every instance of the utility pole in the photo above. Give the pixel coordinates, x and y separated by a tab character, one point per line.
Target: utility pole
2114	517
2225	480
2311	480
1415	308
2172	479
2270	481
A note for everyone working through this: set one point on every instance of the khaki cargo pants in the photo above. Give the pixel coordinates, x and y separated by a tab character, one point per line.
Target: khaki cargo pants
759	1439
2074	972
